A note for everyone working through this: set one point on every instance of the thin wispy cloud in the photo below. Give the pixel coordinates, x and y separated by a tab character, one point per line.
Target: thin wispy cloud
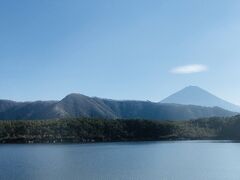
189	69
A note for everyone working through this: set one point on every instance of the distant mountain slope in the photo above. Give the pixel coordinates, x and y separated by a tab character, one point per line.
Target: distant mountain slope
156	111
196	96
77	105
6	104
30	110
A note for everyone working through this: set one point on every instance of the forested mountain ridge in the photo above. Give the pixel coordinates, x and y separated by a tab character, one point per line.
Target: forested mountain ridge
78	105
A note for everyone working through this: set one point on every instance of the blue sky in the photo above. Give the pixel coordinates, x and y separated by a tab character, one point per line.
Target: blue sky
119	49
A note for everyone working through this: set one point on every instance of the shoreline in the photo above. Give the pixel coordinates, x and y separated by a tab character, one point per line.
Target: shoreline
119	141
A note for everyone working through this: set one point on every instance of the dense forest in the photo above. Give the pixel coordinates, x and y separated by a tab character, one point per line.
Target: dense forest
99	130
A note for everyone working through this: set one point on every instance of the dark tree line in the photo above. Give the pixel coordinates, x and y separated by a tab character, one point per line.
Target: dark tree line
97	130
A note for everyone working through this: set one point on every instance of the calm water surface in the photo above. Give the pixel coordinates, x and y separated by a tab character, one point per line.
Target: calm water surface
189	160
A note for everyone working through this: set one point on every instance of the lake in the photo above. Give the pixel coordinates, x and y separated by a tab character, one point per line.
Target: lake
183	160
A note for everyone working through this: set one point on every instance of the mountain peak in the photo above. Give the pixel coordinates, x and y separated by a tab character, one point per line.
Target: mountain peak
195	91
194	95
192	87
74	95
